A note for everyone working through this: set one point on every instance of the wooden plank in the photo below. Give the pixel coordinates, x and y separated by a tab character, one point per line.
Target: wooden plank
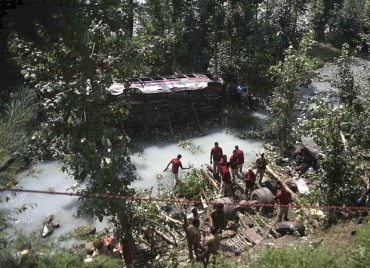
253	236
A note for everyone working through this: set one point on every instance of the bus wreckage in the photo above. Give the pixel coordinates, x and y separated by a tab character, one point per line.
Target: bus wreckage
160	100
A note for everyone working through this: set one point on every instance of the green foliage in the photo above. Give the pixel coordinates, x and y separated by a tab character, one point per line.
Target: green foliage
90	52
344	80
189	188
333	121
301	256
288	76
347	23
16	122
323	52
221	260
238	117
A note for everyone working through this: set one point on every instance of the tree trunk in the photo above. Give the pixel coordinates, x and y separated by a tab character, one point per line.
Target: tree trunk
7	162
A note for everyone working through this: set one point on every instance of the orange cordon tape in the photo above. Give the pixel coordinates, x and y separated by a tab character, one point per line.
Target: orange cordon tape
153	199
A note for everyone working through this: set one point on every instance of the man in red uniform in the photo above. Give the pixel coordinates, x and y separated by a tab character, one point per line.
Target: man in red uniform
234	164
283	198
216	154
176	164
226	184
222	162
240	155
250	180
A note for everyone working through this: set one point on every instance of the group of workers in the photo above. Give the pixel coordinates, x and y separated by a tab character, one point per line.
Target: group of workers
205	247
229	170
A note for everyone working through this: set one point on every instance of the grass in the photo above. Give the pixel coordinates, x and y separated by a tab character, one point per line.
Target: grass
324	52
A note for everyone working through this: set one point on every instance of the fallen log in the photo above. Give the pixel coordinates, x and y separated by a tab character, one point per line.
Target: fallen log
165	237
253	221
164	228
204	202
271	227
168	217
209	176
278	177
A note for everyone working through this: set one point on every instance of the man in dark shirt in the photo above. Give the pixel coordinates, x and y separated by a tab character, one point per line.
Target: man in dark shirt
261	163
283	198
218	218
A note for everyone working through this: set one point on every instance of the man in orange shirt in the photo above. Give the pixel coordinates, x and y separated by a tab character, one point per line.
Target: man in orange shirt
234	164
216	155
176	164
283	198
226	185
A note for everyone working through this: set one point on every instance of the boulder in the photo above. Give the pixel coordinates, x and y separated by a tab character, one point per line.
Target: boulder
54	224
47	219
47	229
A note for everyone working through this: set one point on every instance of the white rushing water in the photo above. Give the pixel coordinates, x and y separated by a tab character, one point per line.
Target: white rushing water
152	160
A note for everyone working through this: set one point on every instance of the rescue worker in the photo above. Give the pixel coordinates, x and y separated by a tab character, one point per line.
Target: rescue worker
240	156
212	243
283	198
215	157
226	182
194	239
261	163
234	164
176	164
218	218
250	181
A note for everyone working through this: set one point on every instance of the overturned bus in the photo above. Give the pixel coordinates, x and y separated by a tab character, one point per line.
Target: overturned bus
163	100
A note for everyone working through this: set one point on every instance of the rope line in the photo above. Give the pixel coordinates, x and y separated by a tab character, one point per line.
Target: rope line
186	201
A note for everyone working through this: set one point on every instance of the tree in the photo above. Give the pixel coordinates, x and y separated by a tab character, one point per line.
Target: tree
16	123
288	76
347	22
333	121
89	52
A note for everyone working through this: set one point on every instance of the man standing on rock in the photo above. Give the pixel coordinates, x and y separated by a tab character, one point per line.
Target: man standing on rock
216	155
240	155
283	198
176	164
250	181
261	163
